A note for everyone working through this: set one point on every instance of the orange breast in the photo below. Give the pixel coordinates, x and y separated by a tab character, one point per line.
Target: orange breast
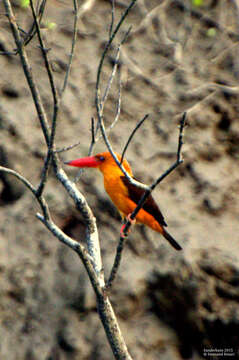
120	197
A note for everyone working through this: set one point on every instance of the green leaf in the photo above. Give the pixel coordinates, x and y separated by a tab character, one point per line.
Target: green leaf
197	2
24	3
212	32
50	25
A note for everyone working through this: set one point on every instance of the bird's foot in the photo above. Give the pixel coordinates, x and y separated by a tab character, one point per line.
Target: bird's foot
132	222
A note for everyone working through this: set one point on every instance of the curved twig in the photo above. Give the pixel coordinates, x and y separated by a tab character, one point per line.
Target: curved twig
97	93
40	199
132	135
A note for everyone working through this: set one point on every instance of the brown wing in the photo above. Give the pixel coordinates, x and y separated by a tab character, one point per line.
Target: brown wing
135	194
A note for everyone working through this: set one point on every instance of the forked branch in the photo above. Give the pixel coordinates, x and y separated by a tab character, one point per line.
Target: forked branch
147	193
90	257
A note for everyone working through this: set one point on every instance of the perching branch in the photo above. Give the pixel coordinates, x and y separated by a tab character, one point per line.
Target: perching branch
116	263
139	206
178	161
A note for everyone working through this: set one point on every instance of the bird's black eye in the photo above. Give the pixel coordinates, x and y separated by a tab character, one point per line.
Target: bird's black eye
101	158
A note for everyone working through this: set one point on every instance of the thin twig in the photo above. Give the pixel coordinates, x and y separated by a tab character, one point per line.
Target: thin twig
118	107
180	139
117	115
27	183
131	136
65	82
73	44
67	148
115	66
56	98
93	130
27	71
116	264
44	54
71	243
32	32
47	160
93	139
112	17
97	94
109	83
108	46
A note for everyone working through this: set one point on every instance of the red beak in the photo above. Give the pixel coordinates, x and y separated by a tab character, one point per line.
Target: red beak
89	161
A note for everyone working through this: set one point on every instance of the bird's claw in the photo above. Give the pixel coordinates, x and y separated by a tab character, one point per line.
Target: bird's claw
132	222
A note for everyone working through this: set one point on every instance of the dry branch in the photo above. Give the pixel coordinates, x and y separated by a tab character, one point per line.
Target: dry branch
140	204
91	257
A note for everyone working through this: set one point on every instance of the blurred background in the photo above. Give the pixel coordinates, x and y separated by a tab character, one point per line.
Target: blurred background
180	56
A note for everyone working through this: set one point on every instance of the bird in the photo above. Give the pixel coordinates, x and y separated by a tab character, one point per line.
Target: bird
124	194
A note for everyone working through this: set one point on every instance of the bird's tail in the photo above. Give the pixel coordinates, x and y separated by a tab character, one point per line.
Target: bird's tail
171	240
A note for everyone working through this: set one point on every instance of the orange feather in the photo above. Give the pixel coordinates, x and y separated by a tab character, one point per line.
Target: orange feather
125	195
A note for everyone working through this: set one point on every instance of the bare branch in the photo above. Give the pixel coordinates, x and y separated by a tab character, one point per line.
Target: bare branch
56	99
73	43
44	54
180	138
67	148
118	108
91	258
105	309
32	32
140	204
98	101
160	178
73	244
81	204
117	261
112	17
132	135
93	139
27	183
115	66
19	177
27	70
106	93
108	87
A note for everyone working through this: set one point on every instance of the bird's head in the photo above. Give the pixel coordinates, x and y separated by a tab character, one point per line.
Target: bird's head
103	161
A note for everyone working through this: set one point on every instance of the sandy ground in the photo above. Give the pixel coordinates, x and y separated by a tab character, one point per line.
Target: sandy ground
177	58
